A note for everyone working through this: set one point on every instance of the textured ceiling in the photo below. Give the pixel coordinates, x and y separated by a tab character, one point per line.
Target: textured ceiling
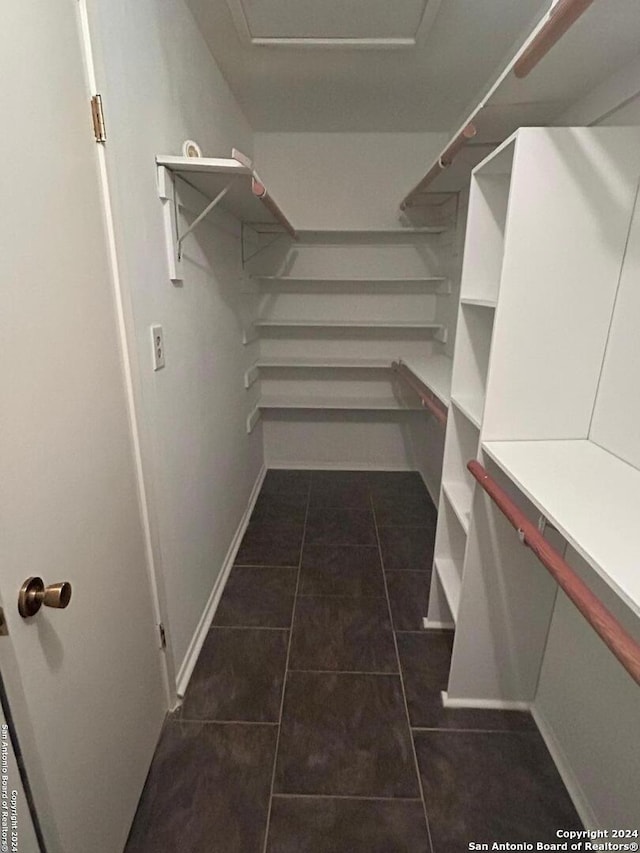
413	88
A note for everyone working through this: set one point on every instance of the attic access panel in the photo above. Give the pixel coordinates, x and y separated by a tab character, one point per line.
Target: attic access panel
333	23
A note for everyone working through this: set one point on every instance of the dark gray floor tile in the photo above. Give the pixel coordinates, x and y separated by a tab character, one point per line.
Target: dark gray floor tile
345	734
238	676
408	597
405	510
341	570
270	545
335	526
425	660
258	597
285	508
491	787
407	549
340	478
394	482
286	482
345	489
348	634
207	791
347	826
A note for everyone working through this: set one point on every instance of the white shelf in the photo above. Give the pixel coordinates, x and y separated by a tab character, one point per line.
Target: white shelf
230	184
362	233
459	497
479	303
335	403
471	408
434	372
273	323
450	580
323	363
429	281
591	496
210	175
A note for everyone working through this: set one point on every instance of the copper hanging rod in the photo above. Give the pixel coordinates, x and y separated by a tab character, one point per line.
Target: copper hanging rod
443	162
606	626
426	396
561	18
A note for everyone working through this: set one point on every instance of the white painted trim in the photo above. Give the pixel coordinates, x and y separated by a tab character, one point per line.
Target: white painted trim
429	14
199	636
130	372
571	783
485	704
430	625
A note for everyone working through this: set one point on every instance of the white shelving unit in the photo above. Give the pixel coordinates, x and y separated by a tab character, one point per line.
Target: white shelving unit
438	283
546	344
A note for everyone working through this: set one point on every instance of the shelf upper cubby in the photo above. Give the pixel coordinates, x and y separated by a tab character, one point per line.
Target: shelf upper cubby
407	325
589	495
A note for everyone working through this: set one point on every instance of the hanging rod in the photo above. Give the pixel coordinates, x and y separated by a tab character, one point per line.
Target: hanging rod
614	636
443	162
426	396
561	18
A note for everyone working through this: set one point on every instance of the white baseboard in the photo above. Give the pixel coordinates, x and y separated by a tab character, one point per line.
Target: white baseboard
197	641
485	704
429	624
574	789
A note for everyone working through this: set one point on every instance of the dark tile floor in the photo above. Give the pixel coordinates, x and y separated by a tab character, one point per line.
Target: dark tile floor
313	721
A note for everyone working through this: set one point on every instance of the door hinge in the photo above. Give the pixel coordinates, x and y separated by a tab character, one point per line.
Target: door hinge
97	114
4	628
163	636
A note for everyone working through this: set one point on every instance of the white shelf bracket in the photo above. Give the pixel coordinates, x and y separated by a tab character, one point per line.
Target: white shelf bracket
216	201
253	419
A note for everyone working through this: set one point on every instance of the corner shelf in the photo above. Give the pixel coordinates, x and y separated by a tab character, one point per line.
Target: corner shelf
336	404
437	329
230	183
439	283
296	363
434	372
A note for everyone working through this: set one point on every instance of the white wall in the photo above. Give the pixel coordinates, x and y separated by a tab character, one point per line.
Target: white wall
160	86
344	180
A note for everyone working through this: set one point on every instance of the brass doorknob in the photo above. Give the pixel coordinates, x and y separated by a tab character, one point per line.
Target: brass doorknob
33	594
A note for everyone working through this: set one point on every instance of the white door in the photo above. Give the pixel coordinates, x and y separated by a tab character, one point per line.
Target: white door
84	684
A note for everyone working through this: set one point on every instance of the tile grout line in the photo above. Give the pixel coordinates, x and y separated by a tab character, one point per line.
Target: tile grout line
286	672
402	687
